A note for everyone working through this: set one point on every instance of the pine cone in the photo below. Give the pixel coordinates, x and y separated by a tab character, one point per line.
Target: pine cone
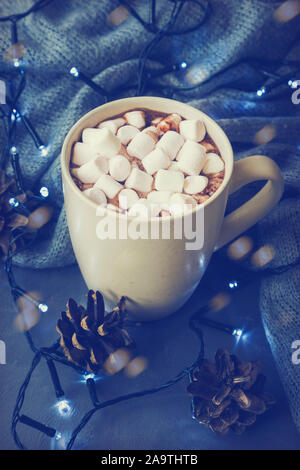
9	219
88	336
228	394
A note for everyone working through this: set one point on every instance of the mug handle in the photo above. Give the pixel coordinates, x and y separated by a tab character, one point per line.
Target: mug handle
255	168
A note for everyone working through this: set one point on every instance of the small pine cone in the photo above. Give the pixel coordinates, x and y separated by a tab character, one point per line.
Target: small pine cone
231	413
88	336
219	426
221	394
253	374
228	394
241	398
202	390
200	410
207	372
246	418
238	428
214	411
224	364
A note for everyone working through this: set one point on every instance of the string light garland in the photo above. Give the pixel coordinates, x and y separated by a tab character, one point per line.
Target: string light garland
11	115
52	355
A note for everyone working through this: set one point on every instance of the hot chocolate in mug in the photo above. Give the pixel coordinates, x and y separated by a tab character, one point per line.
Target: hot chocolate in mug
155	273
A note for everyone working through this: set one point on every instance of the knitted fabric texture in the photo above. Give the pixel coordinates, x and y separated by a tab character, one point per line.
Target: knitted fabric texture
65	34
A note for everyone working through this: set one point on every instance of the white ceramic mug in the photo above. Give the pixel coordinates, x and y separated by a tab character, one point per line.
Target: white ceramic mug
157	275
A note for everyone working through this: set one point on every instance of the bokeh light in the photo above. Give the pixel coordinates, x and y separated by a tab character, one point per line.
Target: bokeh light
136	366
265	135
117	361
39	217
219	301
263	256
15	51
287	11
195	74
28	313
240	248
118	16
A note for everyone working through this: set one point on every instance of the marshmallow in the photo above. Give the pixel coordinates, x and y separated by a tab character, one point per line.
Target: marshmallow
191	158
135	118
109	186
82	153
113	124
213	164
195	184
96	195
153	132
156	160
180	203
141	145
127	133
103	140
143	207
159	197
119	167
127	198
169	181
139	180
171	142
174	166
192	129
90	172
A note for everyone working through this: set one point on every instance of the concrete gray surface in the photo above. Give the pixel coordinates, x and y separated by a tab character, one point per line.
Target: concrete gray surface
160	421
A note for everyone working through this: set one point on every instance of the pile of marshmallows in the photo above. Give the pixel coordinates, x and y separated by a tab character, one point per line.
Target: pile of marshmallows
156	166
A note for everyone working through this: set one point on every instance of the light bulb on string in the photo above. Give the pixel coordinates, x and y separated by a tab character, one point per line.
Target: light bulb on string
51	432
230	329
24	296
13	115
43	149
237	332
261	91
17	63
74	72
183	65
13	150
43	307
13	202
44	192
86	377
64	408
293	83
232	284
